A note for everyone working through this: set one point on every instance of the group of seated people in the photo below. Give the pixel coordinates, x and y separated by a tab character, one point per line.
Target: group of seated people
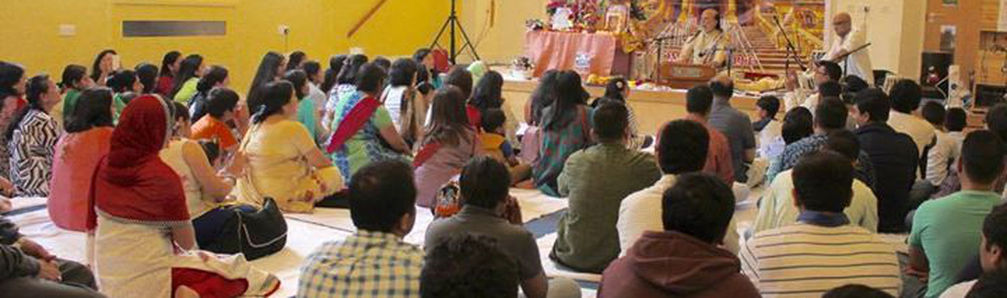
154	164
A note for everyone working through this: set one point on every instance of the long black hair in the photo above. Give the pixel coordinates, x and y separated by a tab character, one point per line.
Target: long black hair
335	65
169	60
295	59
421	54
10	75
348	74
214	76
615	89
267	72
37	87
298	78
93	110
402	72
147	73
311	68
96	67
543	96
462	78
188	69
488	94
275	95
569	94
122	81
72	74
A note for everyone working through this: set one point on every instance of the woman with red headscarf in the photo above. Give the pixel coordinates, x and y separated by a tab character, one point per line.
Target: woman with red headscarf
144	242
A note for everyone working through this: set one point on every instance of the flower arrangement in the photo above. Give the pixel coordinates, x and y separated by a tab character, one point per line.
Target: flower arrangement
587	15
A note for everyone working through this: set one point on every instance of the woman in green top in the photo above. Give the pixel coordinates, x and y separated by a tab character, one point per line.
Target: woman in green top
187	78
74	81
306	112
121	82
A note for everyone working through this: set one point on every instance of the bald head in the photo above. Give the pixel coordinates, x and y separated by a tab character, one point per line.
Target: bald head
842	24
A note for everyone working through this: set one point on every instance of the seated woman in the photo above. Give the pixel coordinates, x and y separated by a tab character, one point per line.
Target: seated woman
542	97
565	129
345	86
77	154
283	161
123	82
488	94
144	239
33	135
74	81
362	126
449	143
215	77
220	107
306	112
205	190
187	78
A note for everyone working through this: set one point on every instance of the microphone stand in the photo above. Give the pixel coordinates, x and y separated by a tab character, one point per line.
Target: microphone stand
791	50
660	47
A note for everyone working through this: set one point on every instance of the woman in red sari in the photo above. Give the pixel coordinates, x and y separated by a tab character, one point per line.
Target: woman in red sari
145	245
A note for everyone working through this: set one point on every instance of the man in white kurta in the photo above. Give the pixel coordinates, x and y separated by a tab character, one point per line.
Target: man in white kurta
845	41
709	45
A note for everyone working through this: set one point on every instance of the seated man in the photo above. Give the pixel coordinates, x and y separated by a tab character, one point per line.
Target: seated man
893	155
682	147
465	265
906	96
946	231
375	259
768	128
28	270
596	180
734	124
484	192
699	100
939	158
822	250
777	206
684	260
991	257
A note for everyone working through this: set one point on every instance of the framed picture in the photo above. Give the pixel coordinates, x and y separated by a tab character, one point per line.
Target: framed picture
950	2
949	34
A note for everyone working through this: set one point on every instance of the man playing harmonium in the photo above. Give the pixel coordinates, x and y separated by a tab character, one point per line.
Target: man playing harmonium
709	45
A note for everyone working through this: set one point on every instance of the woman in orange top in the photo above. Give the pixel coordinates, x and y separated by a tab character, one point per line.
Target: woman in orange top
77	155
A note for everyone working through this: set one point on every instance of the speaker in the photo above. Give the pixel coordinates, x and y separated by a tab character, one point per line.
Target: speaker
933	71
989	95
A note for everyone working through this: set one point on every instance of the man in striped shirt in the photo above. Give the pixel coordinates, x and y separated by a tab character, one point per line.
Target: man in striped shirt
822	250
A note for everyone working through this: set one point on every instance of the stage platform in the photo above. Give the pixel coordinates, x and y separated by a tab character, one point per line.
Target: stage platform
652	108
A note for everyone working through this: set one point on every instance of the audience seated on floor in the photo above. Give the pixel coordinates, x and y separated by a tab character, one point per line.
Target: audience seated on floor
892	154
564	128
699	100
946	232
825	71
495	144
306	112
466	265
28	270
484	195
104	64
170	64
344	86
407	110
696	213
682	146
294	172
617	89
313	70
777	209
823	250
362	130
220	108
596	180
461	78
798	124
543	96
996	122
734	124
270	69
187	79
374	259
74	81
449	143
830	115
906	96
488	94
144	240
76	155
123	83
991	257
32	136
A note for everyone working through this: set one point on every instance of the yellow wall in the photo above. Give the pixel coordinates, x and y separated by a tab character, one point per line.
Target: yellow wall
319	27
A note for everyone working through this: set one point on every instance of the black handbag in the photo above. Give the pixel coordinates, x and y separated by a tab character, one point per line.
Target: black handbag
256	234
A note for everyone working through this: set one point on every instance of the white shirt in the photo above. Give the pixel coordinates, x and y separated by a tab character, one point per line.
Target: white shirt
811	102
771	140
795	98
942	156
918	129
859	63
777	208
704	45
959	290
393	103
641	211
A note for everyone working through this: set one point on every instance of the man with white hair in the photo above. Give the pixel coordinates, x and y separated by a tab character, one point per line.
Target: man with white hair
846	40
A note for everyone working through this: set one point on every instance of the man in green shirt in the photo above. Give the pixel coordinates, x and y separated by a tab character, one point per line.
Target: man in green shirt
596	180
946	231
